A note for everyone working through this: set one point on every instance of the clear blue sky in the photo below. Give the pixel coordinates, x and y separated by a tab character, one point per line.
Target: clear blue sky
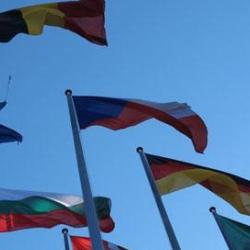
188	51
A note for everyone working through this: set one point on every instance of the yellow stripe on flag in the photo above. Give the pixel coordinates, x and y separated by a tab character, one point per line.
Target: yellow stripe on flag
220	184
38	16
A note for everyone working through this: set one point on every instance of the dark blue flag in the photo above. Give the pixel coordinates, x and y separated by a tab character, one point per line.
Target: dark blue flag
9	135
2	105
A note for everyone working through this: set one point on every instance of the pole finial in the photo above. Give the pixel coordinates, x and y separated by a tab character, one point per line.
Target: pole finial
212	209
68	92
139	149
65	231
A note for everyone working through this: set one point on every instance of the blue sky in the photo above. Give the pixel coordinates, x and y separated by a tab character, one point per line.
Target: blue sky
188	51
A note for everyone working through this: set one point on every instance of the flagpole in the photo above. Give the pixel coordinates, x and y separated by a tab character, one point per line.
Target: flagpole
164	216
213	211
89	205
66	240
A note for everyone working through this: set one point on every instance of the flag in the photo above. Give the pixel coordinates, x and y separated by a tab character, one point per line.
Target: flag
84	243
236	234
9	135
172	175
115	113
27	209
2	105
86	18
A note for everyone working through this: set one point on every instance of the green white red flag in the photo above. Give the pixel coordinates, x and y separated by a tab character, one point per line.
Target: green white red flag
28	209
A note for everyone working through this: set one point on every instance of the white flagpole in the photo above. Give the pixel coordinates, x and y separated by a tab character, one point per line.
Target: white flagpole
89	205
66	240
164	216
213	211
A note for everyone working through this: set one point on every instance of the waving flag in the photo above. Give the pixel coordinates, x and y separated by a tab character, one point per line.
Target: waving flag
86	18
84	243
172	175
117	113
9	135
27	209
236	234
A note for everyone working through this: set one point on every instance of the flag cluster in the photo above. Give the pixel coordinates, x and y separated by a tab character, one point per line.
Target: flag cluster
28	209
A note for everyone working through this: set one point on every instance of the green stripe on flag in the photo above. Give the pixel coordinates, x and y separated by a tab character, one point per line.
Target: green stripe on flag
40	205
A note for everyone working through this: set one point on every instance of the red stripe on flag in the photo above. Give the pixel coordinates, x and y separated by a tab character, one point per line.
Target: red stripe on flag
12	222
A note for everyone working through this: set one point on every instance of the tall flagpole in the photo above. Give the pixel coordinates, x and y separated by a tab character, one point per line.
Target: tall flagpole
66	240
228	242
89	205
164	216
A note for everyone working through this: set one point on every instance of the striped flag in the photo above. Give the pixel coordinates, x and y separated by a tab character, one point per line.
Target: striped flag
86	18
172	175
115	113
28	209
84	243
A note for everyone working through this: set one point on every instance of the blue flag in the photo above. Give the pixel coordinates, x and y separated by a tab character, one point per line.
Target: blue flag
2	105
9	135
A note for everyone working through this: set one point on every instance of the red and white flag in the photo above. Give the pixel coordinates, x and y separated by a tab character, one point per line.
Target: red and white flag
84	243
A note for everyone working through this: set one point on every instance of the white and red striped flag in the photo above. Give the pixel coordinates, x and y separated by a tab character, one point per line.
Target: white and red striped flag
84	243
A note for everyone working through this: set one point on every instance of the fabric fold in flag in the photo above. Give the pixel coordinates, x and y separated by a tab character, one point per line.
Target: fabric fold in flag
9	135
84	243
172	175
28	209
86	18
115	113
236	234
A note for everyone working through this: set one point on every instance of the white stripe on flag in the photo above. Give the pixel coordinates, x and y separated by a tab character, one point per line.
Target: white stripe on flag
65	199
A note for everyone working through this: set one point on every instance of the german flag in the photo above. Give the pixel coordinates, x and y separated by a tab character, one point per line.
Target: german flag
172	175
86	18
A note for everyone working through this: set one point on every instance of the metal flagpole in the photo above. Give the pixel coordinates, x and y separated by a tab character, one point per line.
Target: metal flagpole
167	224
66	240
213	211
89	205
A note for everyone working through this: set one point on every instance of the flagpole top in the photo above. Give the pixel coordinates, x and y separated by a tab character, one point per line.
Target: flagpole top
139	149
68	92
212	209
65	231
